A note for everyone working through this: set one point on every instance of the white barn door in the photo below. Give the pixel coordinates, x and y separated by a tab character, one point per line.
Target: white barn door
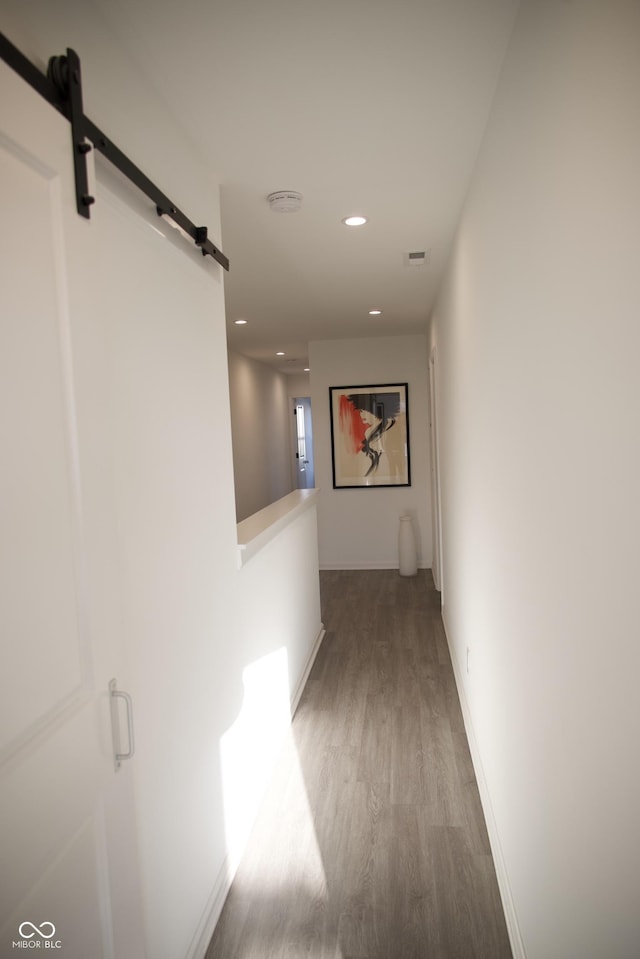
68	866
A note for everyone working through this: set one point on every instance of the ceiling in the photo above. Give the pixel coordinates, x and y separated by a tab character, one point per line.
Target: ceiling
364	106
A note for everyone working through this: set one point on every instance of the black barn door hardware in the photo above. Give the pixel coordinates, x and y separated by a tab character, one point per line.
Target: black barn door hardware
62	88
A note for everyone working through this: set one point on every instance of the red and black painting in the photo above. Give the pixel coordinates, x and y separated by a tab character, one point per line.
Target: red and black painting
370	436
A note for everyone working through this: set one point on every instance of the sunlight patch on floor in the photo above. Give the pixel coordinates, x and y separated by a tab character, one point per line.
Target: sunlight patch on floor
262	777
281	879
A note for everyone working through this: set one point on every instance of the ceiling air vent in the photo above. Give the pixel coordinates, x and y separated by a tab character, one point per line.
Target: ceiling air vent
417	258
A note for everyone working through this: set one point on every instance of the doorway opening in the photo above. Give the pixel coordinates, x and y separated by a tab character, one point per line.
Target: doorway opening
302	445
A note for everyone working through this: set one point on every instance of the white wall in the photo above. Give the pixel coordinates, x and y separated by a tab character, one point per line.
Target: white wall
279	631
537	339
359	528
298	384
260	424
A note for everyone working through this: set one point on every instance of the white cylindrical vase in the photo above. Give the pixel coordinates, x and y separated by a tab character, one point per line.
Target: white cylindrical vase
407	548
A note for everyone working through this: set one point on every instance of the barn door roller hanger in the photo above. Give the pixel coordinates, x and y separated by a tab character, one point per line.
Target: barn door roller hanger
62	88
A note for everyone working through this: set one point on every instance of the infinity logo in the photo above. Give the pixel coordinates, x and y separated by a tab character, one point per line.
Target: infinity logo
39	930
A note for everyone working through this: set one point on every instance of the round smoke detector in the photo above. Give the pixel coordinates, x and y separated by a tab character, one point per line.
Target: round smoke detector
285	201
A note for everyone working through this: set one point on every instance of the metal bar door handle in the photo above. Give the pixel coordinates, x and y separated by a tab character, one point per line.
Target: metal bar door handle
114	695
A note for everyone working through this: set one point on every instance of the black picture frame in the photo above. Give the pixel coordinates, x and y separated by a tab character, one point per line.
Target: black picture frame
370	445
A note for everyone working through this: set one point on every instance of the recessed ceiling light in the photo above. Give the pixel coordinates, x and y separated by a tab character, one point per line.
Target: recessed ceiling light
307	369
354	220
240	322
280	354
375	312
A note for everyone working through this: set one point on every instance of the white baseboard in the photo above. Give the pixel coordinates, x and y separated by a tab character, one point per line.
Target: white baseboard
211	914
391	565
222	885
297	693
513	929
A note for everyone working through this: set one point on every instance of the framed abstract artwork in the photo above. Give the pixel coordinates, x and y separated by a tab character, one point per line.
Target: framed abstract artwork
370	436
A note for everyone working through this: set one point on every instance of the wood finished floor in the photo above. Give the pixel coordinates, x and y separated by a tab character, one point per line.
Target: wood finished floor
371	842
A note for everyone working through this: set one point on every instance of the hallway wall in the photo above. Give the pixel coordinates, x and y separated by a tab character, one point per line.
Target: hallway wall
358	529
260	413
537	337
